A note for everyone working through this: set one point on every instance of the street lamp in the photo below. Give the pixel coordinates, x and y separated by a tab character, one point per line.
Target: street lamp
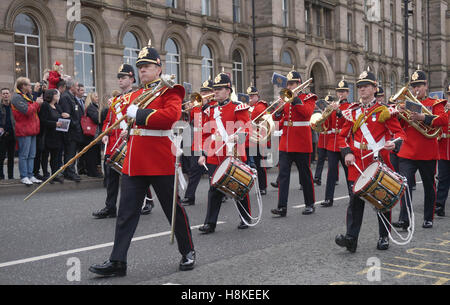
407	13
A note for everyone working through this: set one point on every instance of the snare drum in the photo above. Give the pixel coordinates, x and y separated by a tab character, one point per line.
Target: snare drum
117	158
233	178
380	186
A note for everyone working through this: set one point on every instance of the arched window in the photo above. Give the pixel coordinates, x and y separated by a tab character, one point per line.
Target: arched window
286	58
172	59
27	48
131	51
84	71
238	71
393	84
381	80
207	63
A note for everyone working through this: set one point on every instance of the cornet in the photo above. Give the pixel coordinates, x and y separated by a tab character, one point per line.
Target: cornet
196	99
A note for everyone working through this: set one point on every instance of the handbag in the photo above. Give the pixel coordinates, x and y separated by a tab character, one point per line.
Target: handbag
88	126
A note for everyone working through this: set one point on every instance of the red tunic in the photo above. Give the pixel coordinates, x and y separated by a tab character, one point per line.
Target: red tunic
334	125
152	155
417	146
294	122
236	115
111	118
380	130
444	141
258	108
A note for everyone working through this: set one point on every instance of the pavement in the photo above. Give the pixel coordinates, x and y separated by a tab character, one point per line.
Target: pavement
53	239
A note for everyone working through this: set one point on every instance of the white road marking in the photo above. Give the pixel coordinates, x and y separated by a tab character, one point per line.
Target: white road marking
62	253
318	202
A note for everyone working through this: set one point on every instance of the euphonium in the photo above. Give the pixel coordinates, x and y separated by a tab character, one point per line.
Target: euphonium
317	119
405	94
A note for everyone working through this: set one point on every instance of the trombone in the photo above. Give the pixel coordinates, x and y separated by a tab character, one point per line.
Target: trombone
197	100
404	94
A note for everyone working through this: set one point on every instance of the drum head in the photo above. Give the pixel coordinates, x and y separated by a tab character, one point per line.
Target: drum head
365	179
220	171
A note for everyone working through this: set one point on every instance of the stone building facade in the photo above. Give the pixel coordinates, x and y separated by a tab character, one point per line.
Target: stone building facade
323	39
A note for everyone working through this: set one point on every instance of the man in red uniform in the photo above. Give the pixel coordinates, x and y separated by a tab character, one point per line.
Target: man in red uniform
419	152
216	132
444	163
149	161
296	146
198	119
334	125
363	132
257	108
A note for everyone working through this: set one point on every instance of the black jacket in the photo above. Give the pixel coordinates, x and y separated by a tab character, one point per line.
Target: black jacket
48	117
70	105
3	117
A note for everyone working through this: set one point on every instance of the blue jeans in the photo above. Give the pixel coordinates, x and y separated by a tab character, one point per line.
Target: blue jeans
27	152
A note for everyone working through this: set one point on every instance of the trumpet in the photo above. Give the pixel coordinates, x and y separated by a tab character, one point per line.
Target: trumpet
404	94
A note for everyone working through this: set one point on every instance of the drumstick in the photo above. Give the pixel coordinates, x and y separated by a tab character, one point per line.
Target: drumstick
378	149
359	170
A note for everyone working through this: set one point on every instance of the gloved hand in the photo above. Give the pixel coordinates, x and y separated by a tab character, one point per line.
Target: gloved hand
132	110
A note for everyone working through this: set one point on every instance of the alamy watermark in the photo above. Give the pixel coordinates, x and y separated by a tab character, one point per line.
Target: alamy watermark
73	10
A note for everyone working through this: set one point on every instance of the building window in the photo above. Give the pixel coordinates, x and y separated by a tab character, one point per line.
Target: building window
349	28
393	85
27	48
171	3
237	11
380	42
328	23
131	51
285	12
206	7
172	59
351	71
366	38
308	19
391	13
207	63
84	71
238	71
381	79
318	21
286	58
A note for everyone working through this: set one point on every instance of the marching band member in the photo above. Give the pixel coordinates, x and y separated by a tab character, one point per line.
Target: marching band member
198	117
334	124
364	131
296	146
126	79
419	152
216	132
149	160
321	156
444	163
259	106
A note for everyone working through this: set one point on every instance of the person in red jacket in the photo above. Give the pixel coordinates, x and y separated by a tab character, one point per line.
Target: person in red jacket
364	131
419	152
444	163
221	124
258	107
334	125
55	75
25	113
149	161
296	145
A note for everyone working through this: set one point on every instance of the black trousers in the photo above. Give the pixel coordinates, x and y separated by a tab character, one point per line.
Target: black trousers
215	202
262	173
70	150
7	148
53	153
427	170
333	173
133	190
302	160
395	162
195	175
443	182
322	154
355	213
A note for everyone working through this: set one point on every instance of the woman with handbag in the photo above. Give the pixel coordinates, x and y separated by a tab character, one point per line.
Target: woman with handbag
93	154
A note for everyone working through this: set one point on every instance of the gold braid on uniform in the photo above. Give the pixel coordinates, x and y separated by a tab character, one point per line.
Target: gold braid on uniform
384	116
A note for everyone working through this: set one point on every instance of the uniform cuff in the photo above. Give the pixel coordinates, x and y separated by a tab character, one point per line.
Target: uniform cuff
398	145
142	116
345	151
429	119
297	101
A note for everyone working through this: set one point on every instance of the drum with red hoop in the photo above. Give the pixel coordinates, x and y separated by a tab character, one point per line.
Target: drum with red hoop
233	178
117	157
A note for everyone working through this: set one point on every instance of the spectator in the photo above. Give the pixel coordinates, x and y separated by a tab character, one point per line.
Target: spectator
93	155
27	127
81	163
74	137
7	136
38	92
49	115
61	86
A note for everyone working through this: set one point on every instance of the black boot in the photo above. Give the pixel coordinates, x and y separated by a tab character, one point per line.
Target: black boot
347	241
207	228
279	211
187	261
187	202
110	268
327	203
383	243
104	213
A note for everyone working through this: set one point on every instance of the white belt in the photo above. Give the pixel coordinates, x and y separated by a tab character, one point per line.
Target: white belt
366	145
297	124
150	132
333	131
